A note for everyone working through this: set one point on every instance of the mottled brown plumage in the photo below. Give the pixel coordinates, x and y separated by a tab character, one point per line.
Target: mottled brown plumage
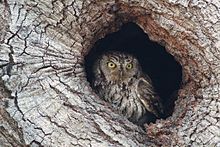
119	80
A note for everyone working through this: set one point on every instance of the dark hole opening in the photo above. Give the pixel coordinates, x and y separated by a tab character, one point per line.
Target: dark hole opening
164	71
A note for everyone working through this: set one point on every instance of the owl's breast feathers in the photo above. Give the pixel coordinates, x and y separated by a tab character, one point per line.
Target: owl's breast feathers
132	98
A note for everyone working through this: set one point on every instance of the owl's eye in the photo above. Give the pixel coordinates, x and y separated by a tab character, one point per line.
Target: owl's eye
111	65
129	66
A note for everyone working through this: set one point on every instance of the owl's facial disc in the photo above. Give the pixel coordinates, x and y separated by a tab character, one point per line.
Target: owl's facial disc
120	71
119	67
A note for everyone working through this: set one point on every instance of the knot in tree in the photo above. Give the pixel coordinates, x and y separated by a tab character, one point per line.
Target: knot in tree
150	86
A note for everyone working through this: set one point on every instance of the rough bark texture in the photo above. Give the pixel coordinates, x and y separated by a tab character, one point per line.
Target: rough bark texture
46	100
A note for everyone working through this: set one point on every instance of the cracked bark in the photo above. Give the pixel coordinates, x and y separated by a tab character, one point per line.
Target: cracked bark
46	100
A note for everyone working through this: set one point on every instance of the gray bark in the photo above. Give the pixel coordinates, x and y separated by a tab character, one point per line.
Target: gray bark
45	97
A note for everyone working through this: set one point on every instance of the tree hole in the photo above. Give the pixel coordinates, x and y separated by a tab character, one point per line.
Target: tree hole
164	71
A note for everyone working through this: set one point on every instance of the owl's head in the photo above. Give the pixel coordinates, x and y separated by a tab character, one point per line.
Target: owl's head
117	67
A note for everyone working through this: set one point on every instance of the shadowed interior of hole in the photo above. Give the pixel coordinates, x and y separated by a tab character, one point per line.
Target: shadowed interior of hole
164	71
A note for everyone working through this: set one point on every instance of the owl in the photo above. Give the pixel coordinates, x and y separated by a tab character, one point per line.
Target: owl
119	80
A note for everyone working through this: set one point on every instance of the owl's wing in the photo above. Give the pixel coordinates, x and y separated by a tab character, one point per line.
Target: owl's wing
148	97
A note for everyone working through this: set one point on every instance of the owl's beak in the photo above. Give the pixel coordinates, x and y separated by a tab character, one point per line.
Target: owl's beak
121	76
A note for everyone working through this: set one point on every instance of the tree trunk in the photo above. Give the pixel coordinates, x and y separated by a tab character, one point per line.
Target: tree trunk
45	97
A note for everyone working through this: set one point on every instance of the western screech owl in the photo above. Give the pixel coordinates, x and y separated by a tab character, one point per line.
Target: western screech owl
119	80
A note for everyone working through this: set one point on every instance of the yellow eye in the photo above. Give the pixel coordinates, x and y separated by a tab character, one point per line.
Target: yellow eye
129	66
111	65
